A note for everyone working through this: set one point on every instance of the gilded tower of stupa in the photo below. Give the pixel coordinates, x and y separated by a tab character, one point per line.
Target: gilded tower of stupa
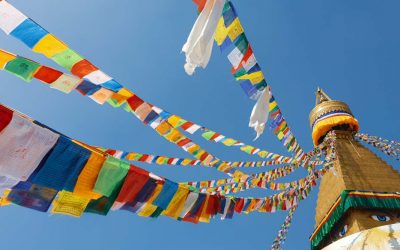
359	199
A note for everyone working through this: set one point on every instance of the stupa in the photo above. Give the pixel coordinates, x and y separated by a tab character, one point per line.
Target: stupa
358	204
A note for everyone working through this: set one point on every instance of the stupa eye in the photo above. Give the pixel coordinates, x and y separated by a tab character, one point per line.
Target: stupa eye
380	218
343	231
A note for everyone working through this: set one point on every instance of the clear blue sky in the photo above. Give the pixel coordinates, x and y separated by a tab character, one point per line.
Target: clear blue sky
349	48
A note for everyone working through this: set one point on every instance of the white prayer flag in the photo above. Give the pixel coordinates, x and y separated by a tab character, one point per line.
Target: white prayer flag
98	77
10	17
23	145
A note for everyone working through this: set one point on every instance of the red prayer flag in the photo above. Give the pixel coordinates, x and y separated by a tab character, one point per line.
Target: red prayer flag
133	184
134	102
5	117
83	68
47	75
239	205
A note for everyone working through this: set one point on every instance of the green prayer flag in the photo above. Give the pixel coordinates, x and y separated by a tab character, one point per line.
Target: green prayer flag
67	58
111	174
240	72
22	68
242	43
247	149
207	135
227	7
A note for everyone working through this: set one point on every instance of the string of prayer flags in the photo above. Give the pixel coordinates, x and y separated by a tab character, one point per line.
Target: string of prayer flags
268	175
392	142
262	180
281	129
300	182
167	160
245	68
390	148
281	237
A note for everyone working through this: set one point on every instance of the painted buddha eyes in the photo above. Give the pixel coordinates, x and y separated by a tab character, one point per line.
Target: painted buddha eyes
343	231
381	218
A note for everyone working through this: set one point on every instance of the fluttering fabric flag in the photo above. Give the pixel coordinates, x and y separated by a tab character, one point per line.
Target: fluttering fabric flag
112	173
24	145
260	112
198	46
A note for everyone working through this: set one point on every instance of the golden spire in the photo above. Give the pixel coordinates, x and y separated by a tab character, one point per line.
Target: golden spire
321	96
329	114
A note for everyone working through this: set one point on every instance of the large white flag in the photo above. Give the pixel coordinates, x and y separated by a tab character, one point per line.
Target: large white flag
260	112
198	46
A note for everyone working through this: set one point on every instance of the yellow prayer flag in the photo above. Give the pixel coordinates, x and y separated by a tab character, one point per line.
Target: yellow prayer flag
229	142
88	176
186	162
69	204
221	32
5	57
121	96
220	182
254	78
49	45
160	160
131	156
272	105
193	148
175	207
174	120
280	135
147	210
204	216
263	154
174	136
235	29
163	128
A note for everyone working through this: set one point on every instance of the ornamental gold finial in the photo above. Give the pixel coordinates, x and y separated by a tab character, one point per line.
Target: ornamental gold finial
330	115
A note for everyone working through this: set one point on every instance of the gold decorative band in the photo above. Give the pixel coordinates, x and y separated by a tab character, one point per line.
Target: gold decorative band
327	107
